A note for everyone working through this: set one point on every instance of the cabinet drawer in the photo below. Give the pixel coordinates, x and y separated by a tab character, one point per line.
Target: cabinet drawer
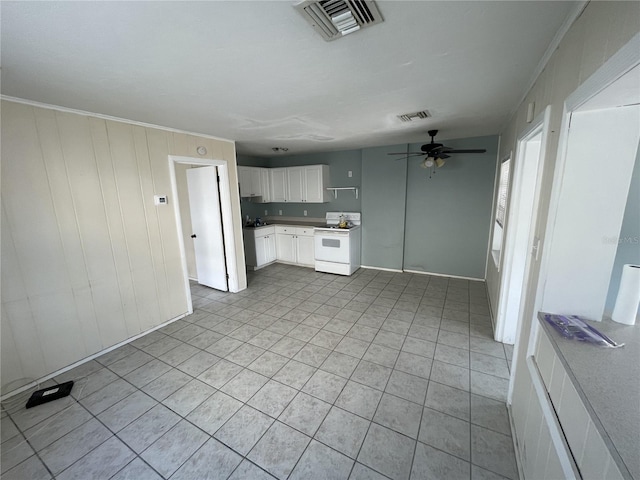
290	230
261	232
307	231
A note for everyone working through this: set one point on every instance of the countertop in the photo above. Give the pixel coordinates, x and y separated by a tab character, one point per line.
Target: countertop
608	382
288	223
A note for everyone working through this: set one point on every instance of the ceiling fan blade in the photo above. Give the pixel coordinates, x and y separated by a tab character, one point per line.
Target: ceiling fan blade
406	158
452	150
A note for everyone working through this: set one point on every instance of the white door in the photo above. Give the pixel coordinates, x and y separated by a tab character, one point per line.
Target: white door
261	251
518	245
265	185
278	184
256	185
313	182
295	183
306	254
206	222
331	246
271	248
244	179
286	248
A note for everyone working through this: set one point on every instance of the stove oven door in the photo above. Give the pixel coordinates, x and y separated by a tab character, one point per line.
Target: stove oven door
332	246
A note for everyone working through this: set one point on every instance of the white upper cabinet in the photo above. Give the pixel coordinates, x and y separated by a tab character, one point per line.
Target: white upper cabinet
305	184
256	185
316	180
251	182
278	184
265	184
296	183
244	179
308	184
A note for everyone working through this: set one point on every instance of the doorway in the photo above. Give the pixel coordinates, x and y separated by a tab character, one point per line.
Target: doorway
226	216
520	245
206	221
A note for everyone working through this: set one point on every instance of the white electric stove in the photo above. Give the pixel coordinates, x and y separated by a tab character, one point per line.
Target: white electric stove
337	250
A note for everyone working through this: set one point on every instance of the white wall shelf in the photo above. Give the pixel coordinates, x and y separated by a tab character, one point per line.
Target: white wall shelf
335	190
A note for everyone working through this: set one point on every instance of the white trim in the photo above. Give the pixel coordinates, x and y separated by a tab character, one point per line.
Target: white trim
493	207
539	126
381	269
514	439
560	445
419	272
227	218
627	58
108	117
88	359
624	60
571	17
494	210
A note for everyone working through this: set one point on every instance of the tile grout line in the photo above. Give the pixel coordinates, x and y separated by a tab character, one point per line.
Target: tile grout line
246	322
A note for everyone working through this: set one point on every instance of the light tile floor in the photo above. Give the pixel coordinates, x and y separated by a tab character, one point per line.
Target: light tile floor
303	375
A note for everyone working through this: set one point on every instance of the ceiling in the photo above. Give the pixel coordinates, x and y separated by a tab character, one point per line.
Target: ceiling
257	73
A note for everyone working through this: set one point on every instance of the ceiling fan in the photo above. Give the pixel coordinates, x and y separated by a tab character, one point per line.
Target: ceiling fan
435	153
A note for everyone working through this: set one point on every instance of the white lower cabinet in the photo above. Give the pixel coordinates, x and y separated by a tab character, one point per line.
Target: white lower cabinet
295	245
265	250
305	247
556	435
259	246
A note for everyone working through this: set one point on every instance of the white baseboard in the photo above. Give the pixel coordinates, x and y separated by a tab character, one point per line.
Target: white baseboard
88	359
474	279
381	269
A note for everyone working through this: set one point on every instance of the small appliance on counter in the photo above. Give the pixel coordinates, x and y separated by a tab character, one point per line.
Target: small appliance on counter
337	244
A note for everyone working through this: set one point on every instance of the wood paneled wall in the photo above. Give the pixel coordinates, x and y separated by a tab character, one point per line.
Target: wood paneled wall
88	260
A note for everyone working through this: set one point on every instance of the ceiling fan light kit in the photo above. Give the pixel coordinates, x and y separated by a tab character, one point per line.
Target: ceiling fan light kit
436	153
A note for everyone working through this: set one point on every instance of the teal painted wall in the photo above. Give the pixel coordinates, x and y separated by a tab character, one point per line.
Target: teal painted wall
384	182
448	216
629	239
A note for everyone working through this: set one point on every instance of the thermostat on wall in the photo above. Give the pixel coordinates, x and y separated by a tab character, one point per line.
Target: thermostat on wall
160	199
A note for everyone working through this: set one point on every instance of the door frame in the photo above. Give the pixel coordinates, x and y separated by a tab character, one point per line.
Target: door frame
623	61
512	246
227	219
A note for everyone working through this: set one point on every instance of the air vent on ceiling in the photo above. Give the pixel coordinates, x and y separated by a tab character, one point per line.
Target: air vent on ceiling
335	18
408	117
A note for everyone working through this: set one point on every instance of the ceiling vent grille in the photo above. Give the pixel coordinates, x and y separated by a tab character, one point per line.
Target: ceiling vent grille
409	117
336	18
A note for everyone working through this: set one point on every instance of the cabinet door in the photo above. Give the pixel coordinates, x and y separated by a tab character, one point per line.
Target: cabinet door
296	184
271	248
305	250
313	182
265	185
244	178
278	184
261	250
256	185
285	247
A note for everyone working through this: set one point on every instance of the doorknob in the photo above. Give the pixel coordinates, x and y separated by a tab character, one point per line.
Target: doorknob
193	236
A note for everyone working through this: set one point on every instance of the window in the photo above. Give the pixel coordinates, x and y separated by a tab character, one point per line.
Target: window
501	210
503	191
